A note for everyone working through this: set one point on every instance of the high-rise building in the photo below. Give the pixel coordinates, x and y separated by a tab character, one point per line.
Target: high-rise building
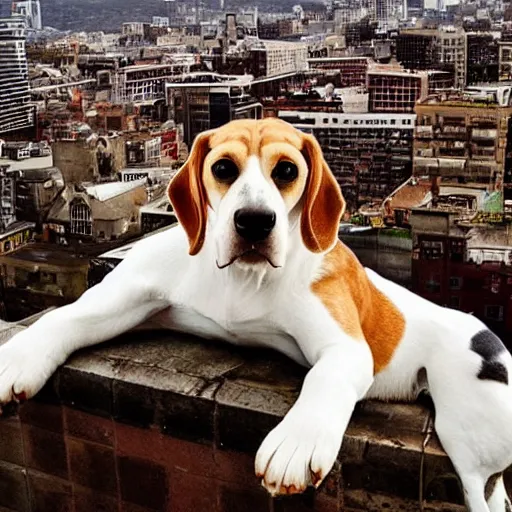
16	112
482	58
443	49
415	8
204	105
31	11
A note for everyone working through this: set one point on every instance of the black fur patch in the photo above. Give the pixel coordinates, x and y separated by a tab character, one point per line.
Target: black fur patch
493	370
488	346
508	508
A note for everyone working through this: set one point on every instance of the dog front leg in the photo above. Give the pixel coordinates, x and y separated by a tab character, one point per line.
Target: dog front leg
302	449
112	307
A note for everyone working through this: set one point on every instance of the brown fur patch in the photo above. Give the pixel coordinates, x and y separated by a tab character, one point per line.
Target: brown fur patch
257	134
358	306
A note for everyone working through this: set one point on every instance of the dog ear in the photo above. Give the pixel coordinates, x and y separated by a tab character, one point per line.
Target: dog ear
188	196
323	202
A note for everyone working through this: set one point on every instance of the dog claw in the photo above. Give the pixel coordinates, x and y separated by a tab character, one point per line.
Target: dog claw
21	397
316	478
291	489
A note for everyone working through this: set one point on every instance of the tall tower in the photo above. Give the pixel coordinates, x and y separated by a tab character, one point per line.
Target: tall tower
30	10
198	8
16	112
171	11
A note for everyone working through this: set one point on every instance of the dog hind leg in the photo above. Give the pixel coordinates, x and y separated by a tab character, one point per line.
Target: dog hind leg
462	455
474	492
496	494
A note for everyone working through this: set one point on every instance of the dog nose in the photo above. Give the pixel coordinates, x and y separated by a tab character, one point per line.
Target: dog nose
254	225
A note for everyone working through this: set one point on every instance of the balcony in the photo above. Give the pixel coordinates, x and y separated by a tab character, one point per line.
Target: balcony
426	131
479	133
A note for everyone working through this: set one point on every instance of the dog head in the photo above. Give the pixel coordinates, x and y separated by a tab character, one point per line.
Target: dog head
252	183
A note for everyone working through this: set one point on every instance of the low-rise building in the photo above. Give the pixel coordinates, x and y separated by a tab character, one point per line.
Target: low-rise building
465	265
100	213
39	276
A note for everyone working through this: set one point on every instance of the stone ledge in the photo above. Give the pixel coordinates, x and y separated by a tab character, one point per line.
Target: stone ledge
230	398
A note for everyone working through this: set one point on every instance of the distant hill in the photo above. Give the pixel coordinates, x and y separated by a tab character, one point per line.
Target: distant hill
107	15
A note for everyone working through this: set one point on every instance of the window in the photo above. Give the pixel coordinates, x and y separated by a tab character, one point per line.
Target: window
48	278
494	283
81	223
431	250
433	286
457	250
455	283
455	302
494	313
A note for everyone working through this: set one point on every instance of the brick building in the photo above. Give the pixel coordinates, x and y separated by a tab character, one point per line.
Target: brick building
465	266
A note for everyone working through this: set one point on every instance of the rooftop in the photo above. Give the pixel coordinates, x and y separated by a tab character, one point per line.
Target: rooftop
41	162
47	254
106	191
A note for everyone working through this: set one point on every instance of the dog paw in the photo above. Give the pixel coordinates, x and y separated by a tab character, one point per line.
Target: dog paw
299	452
24	369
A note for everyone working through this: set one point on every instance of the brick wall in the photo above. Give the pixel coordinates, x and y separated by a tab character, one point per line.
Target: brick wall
54	458
172	424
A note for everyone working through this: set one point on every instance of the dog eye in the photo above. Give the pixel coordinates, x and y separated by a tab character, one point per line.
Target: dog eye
285	172
225	170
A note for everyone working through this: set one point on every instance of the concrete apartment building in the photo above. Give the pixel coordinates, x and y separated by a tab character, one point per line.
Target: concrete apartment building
16	112
423	49
465	138
370	154
396	90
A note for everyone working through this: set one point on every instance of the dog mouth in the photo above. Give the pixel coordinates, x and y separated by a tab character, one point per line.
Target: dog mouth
250	257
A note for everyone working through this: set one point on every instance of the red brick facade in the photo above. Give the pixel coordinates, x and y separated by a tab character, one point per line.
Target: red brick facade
59	459
440	274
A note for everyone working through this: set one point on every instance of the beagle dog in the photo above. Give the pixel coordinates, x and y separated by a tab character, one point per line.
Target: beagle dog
256	261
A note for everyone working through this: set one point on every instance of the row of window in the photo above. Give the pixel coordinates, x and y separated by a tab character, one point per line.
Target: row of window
434	250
